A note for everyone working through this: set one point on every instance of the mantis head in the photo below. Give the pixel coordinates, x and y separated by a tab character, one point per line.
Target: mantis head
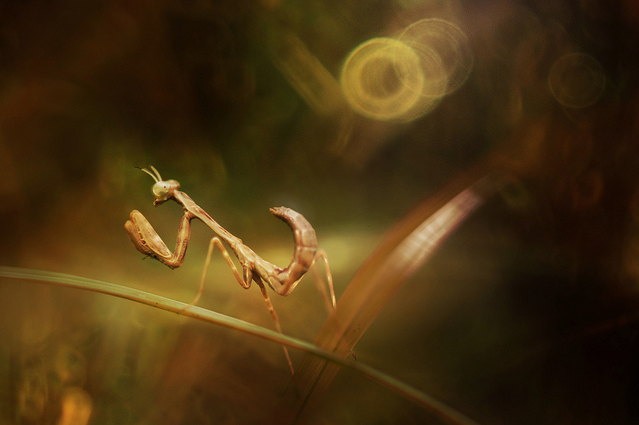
163	190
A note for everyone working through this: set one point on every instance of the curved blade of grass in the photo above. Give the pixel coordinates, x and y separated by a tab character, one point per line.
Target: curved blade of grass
199	313
405	248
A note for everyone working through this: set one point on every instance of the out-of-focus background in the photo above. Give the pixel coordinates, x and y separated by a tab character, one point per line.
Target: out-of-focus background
351	112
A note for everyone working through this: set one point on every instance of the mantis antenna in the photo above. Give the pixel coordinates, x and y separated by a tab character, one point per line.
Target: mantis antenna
157	177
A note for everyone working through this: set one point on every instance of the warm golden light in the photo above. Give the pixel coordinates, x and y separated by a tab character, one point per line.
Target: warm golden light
402	79
374	120
76	407
431	38
382	79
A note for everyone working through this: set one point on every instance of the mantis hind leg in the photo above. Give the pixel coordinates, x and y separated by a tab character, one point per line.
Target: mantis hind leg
278	327
329	298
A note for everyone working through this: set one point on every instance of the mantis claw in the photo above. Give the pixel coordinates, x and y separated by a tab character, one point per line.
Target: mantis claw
144	237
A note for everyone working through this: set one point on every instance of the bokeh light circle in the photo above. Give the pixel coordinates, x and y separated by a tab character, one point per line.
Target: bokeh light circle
577	80
403	78
382	79
441	38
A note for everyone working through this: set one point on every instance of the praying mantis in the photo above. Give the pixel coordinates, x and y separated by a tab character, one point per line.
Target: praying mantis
254	268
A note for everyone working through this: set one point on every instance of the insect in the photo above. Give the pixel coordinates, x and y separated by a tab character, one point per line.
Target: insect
254	268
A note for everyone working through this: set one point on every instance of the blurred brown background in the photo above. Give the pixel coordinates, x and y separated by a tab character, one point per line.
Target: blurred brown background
527	315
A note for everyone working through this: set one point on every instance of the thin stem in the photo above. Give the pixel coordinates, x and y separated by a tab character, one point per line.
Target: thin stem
405	390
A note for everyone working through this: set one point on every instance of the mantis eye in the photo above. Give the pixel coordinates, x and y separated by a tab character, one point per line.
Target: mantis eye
160	189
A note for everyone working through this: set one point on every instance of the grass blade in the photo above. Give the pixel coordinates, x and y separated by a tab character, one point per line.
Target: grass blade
60	279
406	247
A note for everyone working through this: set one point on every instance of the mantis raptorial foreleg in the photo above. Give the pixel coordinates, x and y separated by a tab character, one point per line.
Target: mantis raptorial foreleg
254	268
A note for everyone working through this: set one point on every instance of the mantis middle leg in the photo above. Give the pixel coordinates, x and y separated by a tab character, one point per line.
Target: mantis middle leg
216	242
